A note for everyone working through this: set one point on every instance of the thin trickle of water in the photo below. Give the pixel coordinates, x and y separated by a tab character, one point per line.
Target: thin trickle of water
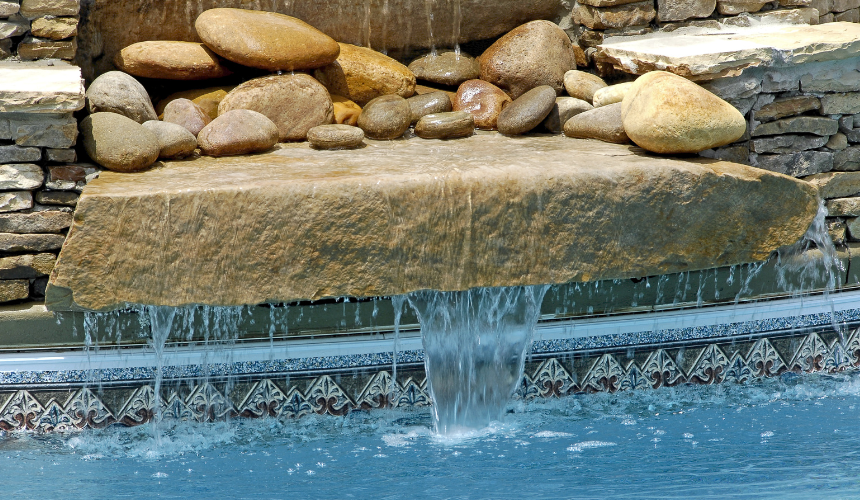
458	19
161	321
366	25
397	302
428	12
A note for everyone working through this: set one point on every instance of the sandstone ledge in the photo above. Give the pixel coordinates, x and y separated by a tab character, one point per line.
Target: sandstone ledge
399	216
49	86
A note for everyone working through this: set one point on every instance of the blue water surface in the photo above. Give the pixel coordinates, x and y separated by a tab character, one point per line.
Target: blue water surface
791	437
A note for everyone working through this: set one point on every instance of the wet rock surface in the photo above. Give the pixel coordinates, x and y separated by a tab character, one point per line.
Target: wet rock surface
361	74
483	100
335	136
446	68
425	104
346	112
449	125
386	117
603	123
171	61
236	132
118	92
118	143
527	111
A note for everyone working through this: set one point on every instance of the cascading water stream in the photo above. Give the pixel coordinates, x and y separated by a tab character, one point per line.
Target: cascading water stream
428	11
161	321
458	20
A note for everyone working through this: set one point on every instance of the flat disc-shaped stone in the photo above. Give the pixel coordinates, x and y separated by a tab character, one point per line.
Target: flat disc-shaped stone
171	61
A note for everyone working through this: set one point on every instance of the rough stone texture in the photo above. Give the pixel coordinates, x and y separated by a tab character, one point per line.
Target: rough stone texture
21	176
527	111
611	94
787	143
849	16
32	48
55	28
836	184
40	86
14	290
789	106
377	224
295	103
71	177
582	85
836	229
565	108
737	154
207	98
10	242
853	228
425	104
843	5
238	132
534	54
847	159
631	14
18	154
12	201
603	123
174	141
796	164
386	117
14	26
9	7
111	25
843	78
186	114
739	87
843	207
840	104
449	125
118	92
335	136
32	9
346	112
668	114
681	10
63	198
44	130
361	74
798	125
36	222
27	266
170	61
483	100
119	143
734	7
837	142
446	68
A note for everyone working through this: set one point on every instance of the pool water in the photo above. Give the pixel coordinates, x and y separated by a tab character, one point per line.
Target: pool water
788	437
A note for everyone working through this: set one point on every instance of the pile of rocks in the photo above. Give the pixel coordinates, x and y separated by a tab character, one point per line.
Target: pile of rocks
38	29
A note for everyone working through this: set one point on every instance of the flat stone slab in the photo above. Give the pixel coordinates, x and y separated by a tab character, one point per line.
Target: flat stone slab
47	86
405	215
702	54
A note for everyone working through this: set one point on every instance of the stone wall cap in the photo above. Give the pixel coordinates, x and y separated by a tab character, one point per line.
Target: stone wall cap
45	86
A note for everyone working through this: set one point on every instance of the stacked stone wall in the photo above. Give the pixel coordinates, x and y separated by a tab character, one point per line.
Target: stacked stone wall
38	29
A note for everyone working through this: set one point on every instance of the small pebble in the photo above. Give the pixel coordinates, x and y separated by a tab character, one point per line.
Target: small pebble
447	125
335	136
385	117
424	104
527	112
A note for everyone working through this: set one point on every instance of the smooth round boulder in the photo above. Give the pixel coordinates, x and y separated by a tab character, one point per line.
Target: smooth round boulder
118	143
265	40
335	136
449	125
238	132
603	123
483	100
611	94
169	60
446	68
534	54
361	74
118	92
186	114
174	141
582	84
386	117
527	111
565	108
668	114
207	98
425	104
346	112
295	103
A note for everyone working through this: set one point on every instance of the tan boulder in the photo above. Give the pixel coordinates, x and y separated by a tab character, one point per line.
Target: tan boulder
237	132
483	100
186	114
362	74
119	143
295	103
534	54
582	85
170	61
207	98
665	113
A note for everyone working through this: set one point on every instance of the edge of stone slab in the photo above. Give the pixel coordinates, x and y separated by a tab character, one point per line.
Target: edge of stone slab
54	92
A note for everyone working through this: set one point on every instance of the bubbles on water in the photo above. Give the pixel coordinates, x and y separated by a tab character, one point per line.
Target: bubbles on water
587	445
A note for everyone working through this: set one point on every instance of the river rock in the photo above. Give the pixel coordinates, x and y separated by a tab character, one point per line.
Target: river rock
666	113
611	94
527	111
346	112
170	61
295	103
447	125
565	108
118	92
483	100
386	117
446	68
335	136
582	85
536	53
361	74
119	143
207	98
186	114
174	141
425	104
603	123
265	40
237	132
619	16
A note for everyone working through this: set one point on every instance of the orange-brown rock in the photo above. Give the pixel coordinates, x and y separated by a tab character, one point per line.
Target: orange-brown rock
296	103
207	98
361	74
483	100
238	132
346	112
534	54
171	61
265	40
186	114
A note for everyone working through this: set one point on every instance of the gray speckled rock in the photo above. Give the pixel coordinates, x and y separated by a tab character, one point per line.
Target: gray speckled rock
603	123
446	68
174	141
118	92
527	112
119	143
445	125
237	132
424	104
565	108
335	136
385	117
